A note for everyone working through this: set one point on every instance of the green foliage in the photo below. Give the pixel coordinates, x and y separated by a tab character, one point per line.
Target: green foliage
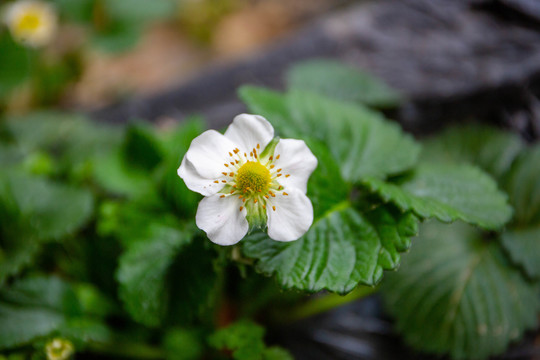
14	64
491	149
32	308
362	142
449	193
341	249
335	80
456	293
143	266
183	344
245	339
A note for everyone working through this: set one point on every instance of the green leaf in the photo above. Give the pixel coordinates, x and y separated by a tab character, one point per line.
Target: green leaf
341	249
52	210
491	149
32	308
523	188
139	11
456	293
448	193
143	268
14	64
361	140
141	148
522	240
173	189
245	339
342	82
523	246
183	344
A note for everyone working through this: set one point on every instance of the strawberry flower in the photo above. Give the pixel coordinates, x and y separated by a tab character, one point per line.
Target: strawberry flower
250	180
31	22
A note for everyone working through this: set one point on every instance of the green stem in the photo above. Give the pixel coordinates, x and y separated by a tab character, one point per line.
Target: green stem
128	350
327	302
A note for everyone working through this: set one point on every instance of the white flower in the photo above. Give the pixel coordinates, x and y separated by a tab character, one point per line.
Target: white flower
248	177
31	22
59	349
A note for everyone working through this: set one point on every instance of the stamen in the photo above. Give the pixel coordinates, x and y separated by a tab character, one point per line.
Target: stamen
224	173
287	175
227	165
215	181
231	163
274	208
264	207
272	166
231	174
241	208
277	157
271	158
266	196
278	175
223	181
245	155
230	153
236	161
232	191
236	151
284	193
255	201
278	170
251	154
222	196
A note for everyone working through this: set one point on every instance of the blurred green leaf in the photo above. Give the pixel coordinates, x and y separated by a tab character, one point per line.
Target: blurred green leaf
143	268
448	193
491	149
245	339
51	209
456	293
32	308
172	188
341	249
361	140
117	37
342	82
14	64
183	344
522	239
139	11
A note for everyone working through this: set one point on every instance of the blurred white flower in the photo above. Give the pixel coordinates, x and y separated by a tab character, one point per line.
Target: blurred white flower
59	349
31	22
248	177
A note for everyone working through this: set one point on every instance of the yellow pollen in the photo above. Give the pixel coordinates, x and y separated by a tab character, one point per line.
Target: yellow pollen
274	208
223	181
264	207
230	153
255	201
258	146
241	208
231	174
222	196
253	176
28	23
284	193
227	165
278	170
217	182
236	151
271	158
224	173
287	175
231	163
272	166
278	175
277	157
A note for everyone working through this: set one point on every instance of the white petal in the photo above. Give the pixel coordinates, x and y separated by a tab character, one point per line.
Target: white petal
249	130
222	219
209	152
196	182
296	160
292	218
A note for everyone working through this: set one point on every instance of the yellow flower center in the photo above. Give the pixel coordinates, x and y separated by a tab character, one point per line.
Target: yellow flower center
28	23
253	176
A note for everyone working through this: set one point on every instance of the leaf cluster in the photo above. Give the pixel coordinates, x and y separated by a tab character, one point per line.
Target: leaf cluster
98	243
